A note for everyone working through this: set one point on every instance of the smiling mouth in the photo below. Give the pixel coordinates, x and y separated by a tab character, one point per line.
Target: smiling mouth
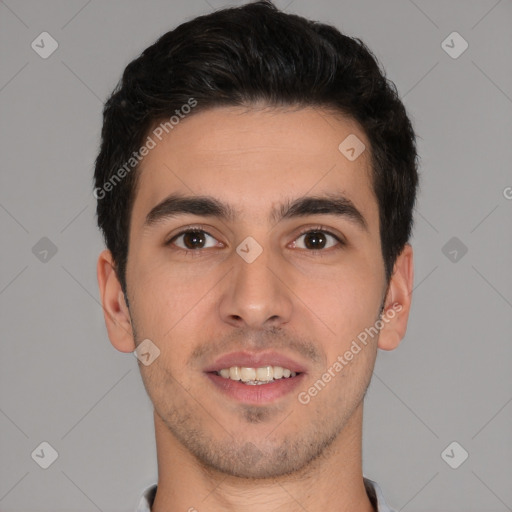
256	376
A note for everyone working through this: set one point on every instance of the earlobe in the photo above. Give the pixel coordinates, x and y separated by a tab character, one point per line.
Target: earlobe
115	310
398	301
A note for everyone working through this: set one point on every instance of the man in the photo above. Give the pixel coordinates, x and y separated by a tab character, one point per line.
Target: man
255	184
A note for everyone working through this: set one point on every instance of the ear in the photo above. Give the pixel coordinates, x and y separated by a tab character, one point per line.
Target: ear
115	310
397	304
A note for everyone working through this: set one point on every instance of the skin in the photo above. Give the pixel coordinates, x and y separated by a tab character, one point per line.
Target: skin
215	453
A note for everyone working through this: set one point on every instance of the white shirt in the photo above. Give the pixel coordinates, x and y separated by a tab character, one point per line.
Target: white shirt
372	488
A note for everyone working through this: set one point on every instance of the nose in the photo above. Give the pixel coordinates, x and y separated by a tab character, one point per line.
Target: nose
256	294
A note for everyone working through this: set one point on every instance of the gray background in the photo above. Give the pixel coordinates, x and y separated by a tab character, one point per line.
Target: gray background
63	383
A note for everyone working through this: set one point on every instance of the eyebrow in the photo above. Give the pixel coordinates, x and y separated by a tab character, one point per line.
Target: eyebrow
207	206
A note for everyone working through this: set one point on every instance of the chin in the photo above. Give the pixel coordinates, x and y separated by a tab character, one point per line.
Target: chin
250	462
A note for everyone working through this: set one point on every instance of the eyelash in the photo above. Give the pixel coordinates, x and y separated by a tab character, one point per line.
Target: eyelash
315	229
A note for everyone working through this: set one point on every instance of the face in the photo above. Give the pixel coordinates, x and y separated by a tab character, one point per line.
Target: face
254	243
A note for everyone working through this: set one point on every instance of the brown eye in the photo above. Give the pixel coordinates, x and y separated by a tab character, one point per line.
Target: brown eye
316	240
194	240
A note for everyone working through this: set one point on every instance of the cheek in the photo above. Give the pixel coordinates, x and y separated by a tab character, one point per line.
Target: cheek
165	294
345	298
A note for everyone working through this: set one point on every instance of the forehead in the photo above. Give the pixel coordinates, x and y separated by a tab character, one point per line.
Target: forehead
254	160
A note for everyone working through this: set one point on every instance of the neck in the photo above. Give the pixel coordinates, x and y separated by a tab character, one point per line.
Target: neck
334	481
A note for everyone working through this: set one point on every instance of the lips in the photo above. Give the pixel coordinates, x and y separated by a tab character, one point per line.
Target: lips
248	392
255	395
255	360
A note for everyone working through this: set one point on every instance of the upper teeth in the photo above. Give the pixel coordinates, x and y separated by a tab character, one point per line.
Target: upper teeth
250	375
